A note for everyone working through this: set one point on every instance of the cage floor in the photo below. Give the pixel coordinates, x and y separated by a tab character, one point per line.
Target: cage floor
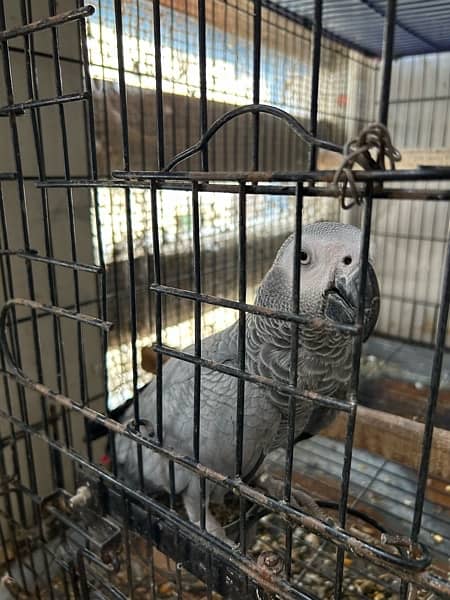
380	488
394	377
410	362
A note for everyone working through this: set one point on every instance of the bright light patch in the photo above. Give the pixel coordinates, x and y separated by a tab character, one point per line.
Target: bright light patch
284	78
177	336
181	69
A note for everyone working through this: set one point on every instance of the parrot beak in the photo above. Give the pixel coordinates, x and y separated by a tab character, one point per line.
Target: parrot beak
342	299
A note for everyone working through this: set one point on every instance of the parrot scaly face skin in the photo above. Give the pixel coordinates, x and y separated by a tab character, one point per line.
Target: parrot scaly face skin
330	273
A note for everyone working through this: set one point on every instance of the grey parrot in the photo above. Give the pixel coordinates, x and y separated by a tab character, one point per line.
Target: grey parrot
330	273
329	281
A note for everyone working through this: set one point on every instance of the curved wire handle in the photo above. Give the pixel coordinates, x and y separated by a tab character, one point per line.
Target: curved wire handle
356	151
54	310
291	121
14	370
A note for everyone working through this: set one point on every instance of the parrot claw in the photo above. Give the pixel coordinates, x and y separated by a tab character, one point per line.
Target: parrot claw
146	427
299	499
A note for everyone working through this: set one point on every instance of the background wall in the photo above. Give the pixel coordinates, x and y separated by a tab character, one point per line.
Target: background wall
38	221
410	236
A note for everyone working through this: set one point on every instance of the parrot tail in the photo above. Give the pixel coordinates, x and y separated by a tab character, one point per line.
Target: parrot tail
95	430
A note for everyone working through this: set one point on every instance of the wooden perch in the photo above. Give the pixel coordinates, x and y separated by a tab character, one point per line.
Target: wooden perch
149	358
404	398
395	438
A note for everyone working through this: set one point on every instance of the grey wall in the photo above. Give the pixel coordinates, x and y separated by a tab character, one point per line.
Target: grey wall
410	236
27	218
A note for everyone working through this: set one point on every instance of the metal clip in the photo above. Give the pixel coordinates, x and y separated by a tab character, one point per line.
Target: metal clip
270	564
85	525
413	549
145	426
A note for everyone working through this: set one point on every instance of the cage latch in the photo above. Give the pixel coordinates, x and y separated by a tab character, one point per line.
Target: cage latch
404	544
85	530
374	137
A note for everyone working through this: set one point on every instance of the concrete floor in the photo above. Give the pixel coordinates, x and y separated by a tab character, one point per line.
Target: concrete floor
407	361
377	484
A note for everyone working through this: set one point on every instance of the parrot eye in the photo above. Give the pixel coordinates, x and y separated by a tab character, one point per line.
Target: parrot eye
304	258
347	260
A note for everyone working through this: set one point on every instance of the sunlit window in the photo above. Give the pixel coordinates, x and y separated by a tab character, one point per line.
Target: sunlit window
285	82
228	80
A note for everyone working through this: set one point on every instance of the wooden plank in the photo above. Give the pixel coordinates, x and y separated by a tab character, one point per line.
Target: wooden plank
149	359
395	438
413	157
404	398
438	492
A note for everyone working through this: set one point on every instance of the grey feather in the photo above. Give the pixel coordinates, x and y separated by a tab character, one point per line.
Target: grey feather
324	366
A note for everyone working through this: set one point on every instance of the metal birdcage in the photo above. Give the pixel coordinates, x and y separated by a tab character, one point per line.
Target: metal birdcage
155	155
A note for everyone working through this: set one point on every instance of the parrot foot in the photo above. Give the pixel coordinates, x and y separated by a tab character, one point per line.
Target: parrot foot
213	526
304	500
300	498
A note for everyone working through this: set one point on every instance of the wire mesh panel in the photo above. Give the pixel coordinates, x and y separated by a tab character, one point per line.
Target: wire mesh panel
158	155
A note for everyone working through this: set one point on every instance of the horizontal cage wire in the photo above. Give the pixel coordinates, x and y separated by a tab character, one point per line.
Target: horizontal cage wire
224	314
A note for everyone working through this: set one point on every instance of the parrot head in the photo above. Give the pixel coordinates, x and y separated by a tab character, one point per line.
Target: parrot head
329	276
